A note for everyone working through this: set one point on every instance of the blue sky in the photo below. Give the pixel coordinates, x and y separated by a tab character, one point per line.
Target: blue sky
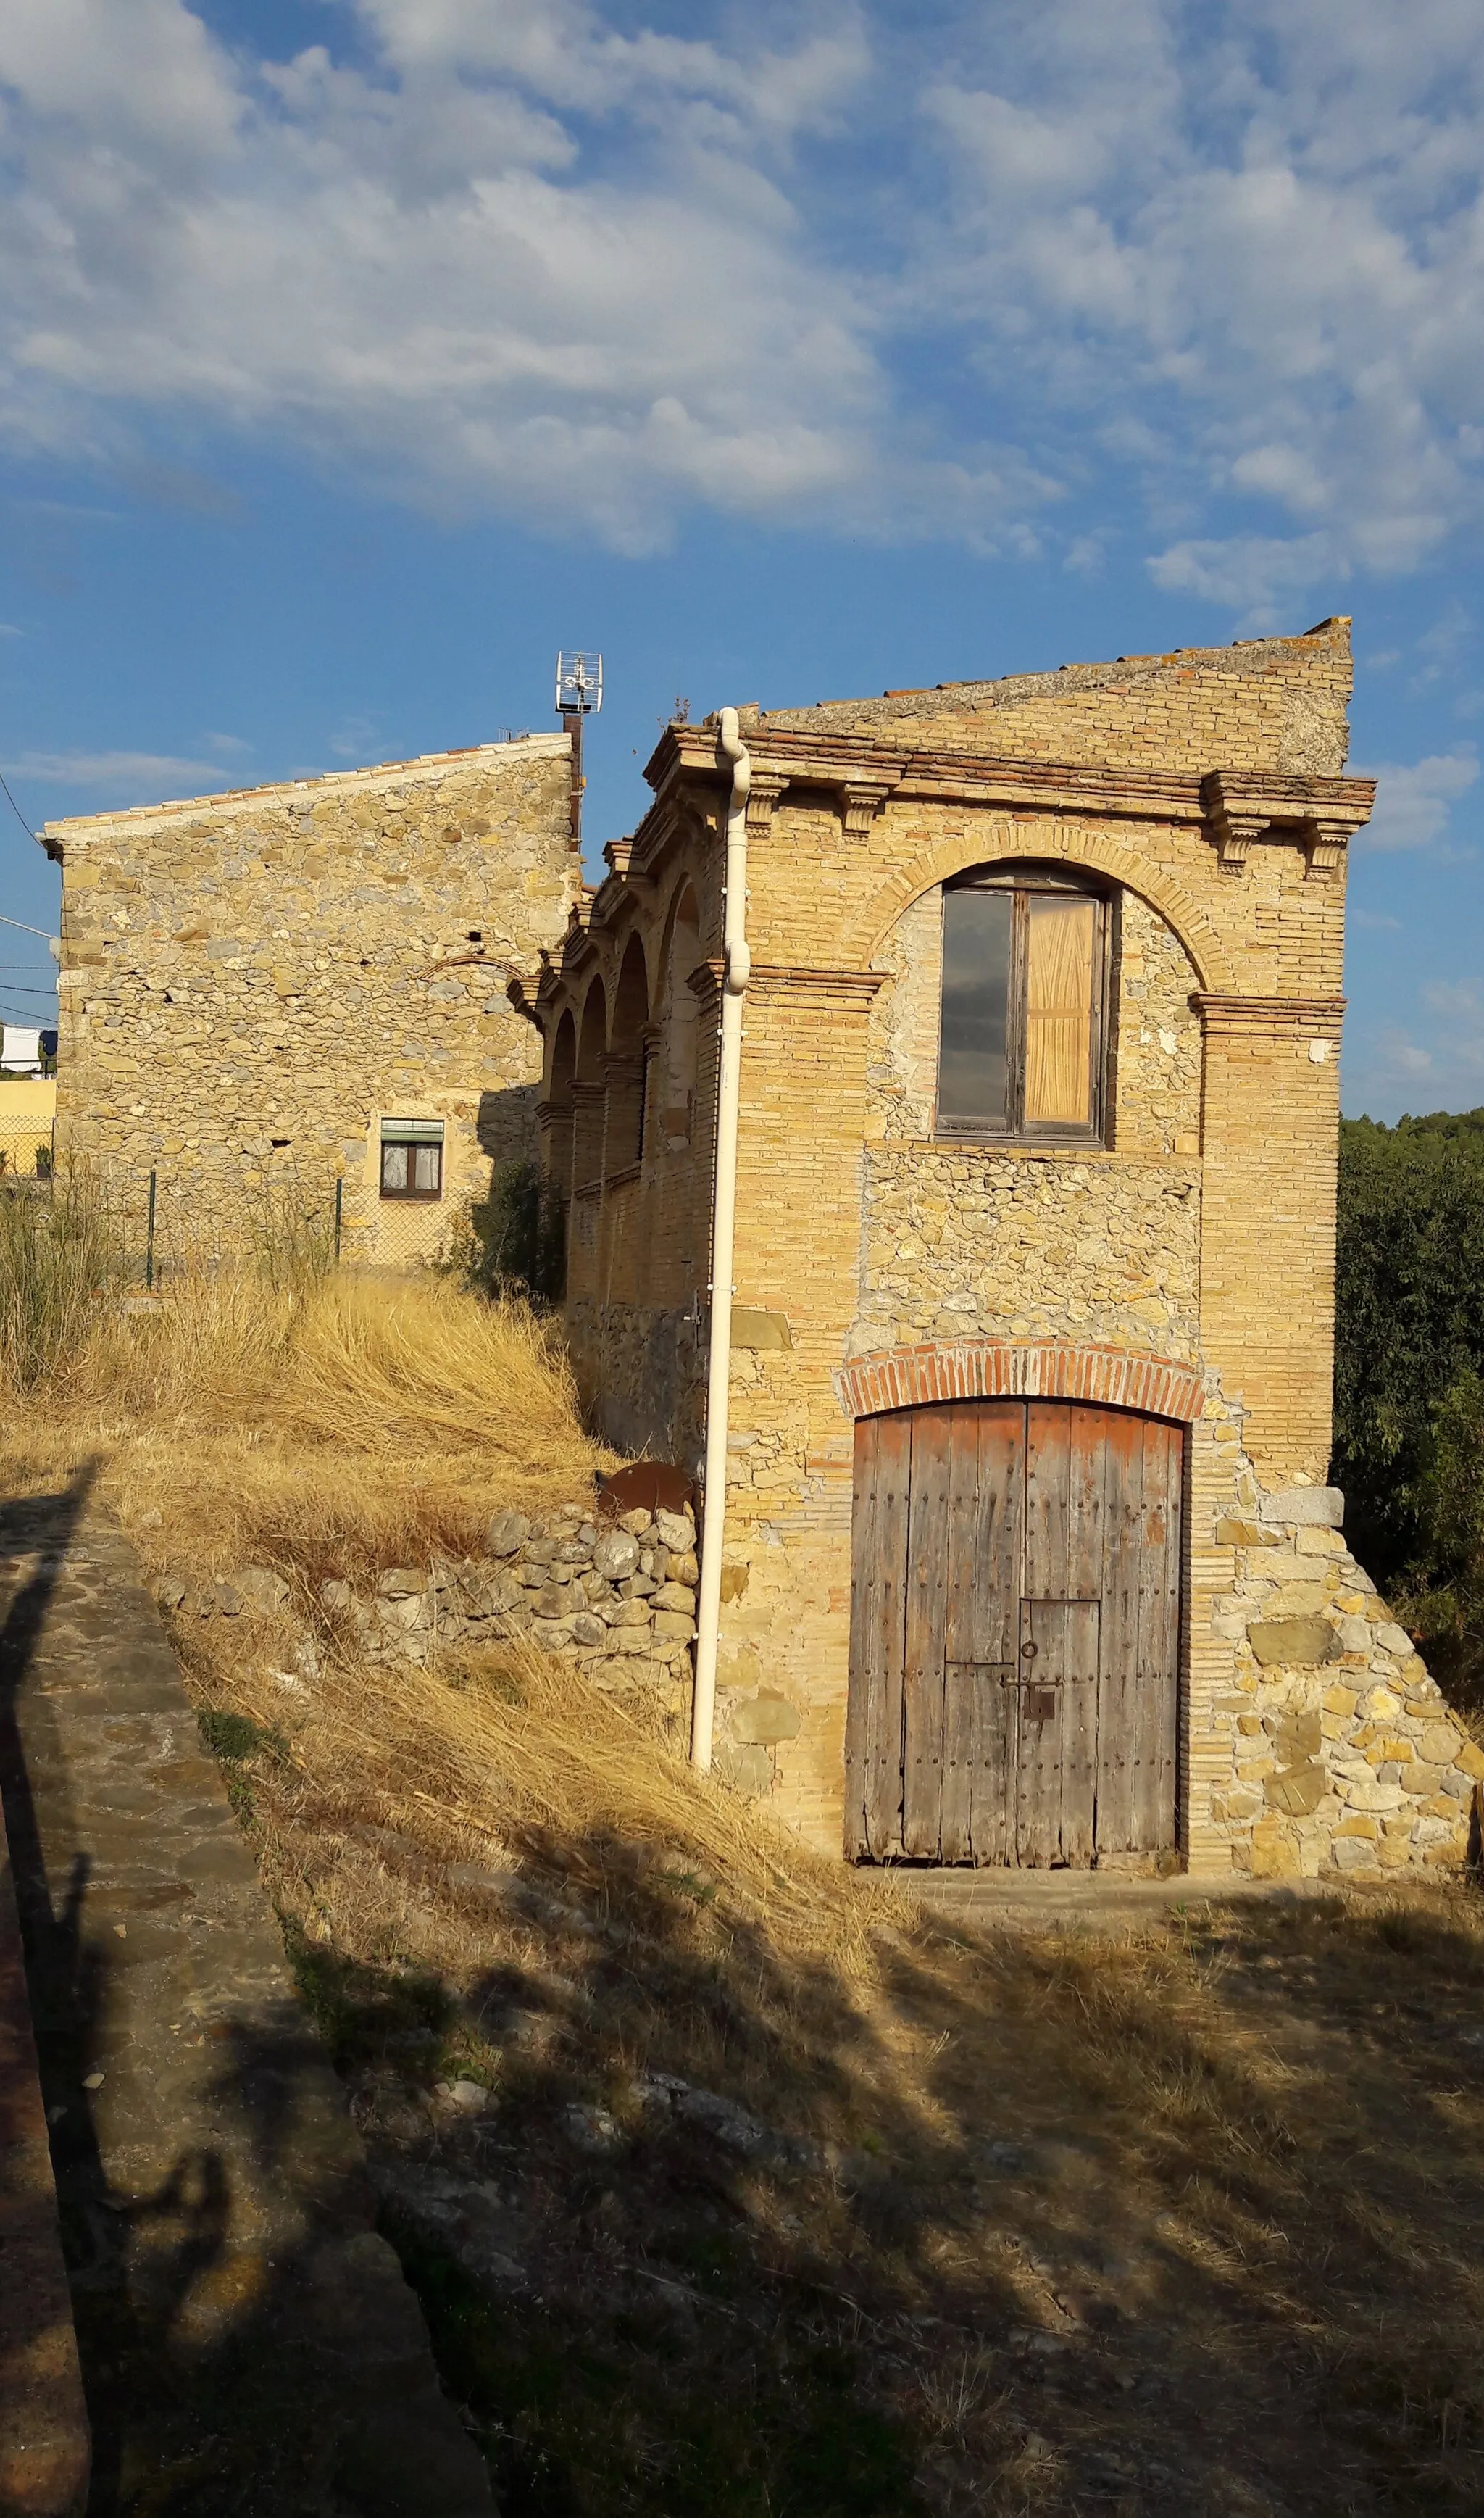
356	354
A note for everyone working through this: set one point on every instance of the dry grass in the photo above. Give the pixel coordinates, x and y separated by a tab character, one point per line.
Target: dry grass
323	1424
492	1755
1186	2222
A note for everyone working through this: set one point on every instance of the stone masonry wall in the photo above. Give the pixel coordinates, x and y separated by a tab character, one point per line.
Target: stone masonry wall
641	1372
1341	1754
250	984
1026	1242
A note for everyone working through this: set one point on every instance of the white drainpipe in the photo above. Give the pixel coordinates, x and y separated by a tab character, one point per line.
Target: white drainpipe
738	969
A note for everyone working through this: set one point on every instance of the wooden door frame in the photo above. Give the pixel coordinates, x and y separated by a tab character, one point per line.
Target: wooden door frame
1179	1424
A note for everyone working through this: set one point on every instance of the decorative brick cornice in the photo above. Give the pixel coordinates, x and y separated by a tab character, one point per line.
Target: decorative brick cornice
788	978
917	1376
1320	814
763	795
861	801
1268	1016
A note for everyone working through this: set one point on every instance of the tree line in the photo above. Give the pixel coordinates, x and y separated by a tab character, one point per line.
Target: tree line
1409	1375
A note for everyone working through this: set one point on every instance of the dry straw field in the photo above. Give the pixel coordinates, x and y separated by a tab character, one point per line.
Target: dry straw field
729	2185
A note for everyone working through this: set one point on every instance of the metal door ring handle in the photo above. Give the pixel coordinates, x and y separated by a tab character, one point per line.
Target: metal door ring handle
1028	1652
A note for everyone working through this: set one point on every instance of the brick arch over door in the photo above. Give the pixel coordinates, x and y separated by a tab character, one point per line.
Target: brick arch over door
917	1376
1089	852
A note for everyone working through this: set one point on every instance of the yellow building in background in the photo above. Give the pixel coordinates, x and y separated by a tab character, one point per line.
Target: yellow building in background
27	1115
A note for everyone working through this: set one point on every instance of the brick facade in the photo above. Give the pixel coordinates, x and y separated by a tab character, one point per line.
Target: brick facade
1183	1265
251	982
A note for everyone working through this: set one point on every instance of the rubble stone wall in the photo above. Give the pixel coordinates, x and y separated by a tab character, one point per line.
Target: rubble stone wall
250	984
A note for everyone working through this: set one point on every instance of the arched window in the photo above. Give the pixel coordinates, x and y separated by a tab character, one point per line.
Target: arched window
559	1102
627	1060
589	1092
679	1021
1023	1043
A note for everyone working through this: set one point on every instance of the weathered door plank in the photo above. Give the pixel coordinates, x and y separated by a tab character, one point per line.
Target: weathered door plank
966	1508
861	1706
1084	1586
1038	1766
983	1591
1120	1681
926	1627
1159	1611
886	1637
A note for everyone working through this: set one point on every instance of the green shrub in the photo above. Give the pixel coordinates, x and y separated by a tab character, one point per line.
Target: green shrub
517	1236
1409	1373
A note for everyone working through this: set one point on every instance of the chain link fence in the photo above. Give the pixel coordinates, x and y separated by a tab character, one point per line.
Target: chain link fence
290	1222
26	1149
164	1223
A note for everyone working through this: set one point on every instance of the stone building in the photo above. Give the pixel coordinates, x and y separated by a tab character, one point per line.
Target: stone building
305	985
1028	1553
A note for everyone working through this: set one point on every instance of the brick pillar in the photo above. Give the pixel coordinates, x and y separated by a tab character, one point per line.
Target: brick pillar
1269	1141
799	1248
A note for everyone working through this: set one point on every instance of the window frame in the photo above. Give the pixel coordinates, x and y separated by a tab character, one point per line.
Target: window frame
414	1135
1021	882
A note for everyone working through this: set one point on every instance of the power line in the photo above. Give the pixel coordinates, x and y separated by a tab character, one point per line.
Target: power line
16	809
43	931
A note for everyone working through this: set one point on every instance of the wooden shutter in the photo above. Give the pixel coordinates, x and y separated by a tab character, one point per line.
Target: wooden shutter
1061	951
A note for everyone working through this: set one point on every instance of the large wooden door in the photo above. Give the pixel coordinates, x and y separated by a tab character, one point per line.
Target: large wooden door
1014	1634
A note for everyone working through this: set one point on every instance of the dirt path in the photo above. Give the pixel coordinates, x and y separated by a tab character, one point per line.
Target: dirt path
248	2342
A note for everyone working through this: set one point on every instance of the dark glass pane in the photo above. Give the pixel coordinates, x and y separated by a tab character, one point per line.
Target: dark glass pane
976	991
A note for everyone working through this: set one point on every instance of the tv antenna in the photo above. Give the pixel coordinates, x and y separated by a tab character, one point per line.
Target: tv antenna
579	694
580	682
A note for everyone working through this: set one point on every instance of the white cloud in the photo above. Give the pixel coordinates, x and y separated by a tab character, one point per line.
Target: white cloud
1436	1064
1457	1000
410	268
524	257
1265	237
1412	805
129	776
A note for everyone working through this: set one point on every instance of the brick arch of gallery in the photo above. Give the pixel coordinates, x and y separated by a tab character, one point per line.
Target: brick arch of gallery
1086	854
679	1023
627	1062
589	1091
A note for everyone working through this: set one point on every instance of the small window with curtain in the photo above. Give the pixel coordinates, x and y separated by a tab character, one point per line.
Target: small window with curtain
412	1158
1023	1049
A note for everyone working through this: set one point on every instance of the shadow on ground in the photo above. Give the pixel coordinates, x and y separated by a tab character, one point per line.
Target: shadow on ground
247	2343
1187	2223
